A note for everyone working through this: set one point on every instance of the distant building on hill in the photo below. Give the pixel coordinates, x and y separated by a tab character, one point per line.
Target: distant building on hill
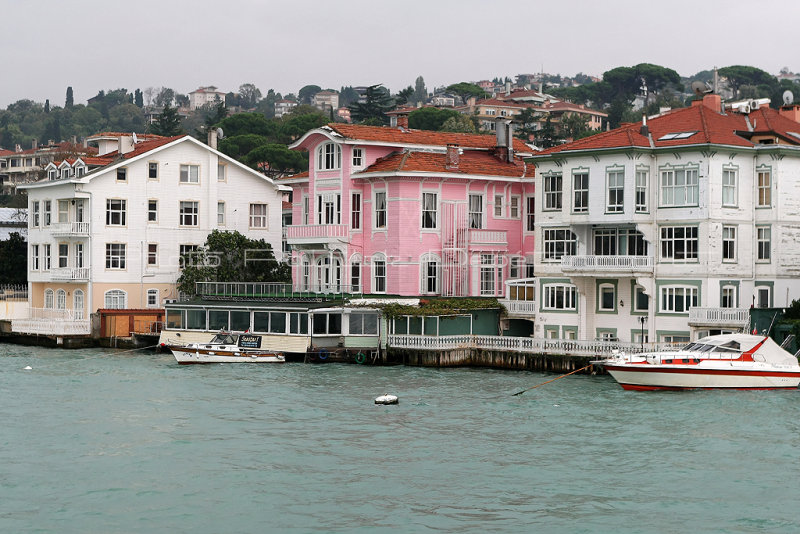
205	96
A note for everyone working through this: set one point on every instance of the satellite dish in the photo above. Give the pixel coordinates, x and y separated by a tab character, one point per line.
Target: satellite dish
788	97
700	88
136	140
220	135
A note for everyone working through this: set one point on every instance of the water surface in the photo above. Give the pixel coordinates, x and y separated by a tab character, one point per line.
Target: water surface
102	441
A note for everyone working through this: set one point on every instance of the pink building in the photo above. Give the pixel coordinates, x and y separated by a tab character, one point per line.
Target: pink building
389	210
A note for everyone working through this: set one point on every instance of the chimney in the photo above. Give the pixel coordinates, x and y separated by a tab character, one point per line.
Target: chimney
402	121
713	102
645	131
124	144
35	144
212	138
508	88
17	148
792	112
451	158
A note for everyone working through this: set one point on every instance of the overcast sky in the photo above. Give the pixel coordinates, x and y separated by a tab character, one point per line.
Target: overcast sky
47	45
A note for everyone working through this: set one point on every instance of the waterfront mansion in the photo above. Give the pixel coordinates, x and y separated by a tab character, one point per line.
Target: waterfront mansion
109	231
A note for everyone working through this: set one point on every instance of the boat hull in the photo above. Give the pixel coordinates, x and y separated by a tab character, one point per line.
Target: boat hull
678	378
186	355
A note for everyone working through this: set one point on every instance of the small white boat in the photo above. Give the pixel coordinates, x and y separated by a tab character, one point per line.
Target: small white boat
729	361
386	399
226	347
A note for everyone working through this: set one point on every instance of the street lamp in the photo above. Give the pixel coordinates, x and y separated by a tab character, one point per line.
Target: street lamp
642	320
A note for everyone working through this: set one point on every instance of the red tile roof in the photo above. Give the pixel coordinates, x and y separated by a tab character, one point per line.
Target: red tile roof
397	136
146	146
711	127
470	162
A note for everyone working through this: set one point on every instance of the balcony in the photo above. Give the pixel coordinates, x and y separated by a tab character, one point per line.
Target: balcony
71	229
51	322
590	265
719	317
520	301
493	238
70	273
314	234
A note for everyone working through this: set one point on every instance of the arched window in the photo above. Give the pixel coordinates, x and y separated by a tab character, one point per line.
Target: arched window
329	274
379	273
305	273
116	299
430	266
48	298
61	299
329	157
77	304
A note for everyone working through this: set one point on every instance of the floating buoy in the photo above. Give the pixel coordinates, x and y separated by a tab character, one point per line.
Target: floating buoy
28	368
386	399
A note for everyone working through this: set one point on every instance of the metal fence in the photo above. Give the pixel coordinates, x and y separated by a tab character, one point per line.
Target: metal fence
13	292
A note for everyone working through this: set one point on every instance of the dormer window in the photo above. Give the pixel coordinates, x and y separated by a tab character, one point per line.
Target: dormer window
330	157
80	171
65	173
52	174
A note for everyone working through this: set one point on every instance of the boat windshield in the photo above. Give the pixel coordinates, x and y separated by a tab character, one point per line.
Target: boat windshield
224	339
730	347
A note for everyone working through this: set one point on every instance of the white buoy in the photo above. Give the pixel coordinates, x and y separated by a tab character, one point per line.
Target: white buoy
386	399
28	368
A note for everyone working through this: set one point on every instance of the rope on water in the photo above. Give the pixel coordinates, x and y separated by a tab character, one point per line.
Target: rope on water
553	380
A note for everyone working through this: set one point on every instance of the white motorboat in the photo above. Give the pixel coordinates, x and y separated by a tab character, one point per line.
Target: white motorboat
386	398
226	347
728	361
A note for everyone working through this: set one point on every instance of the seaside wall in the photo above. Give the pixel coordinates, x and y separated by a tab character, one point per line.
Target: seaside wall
491	358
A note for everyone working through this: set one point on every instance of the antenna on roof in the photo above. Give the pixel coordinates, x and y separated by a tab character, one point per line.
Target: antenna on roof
788	97
701	88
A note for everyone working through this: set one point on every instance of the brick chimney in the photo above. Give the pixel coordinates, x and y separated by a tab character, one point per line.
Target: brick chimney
711	101
399	119
452	156
212	138
791	112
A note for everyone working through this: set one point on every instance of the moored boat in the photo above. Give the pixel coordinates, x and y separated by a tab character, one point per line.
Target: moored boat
728	361
226	347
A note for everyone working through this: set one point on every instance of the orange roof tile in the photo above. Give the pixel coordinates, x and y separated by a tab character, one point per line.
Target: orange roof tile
470	162
397	136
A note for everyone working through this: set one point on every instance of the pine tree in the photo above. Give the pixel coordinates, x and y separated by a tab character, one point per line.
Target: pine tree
69	102
373	110
47	106
420	92
168	123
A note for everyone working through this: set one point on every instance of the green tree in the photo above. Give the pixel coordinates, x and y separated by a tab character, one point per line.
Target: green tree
420	92
377	102
232	257
347	95
168	123
430	118
466	90
138	98
300	120
404	96
526	123
249	95
575	126
741	75
307	92
460	124
165	97
276	160
69	102
47	106
14	260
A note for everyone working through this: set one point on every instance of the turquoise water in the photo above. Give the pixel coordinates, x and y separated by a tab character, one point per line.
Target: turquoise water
93	441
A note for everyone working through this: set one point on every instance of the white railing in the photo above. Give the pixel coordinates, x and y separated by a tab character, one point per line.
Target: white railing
70	273
13	292
71	228
519	307
269	289
719	316
607	263
523	344
50	327
316	231
487	237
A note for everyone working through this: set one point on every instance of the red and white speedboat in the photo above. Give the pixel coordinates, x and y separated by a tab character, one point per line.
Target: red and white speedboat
729	361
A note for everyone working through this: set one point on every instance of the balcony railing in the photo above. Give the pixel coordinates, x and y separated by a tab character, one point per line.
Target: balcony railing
70	273
77	229
488	237
734	317
520	297
261	290
532	345
309	233
519	307
52	322
608	264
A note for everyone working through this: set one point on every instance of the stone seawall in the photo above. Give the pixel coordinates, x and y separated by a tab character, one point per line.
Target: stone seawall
493	359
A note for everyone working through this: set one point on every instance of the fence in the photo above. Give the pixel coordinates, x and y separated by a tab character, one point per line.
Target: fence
523	344
13	292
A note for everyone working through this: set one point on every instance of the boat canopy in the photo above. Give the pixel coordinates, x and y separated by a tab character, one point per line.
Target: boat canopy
767	350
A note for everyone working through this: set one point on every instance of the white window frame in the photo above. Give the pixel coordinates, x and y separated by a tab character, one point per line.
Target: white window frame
637	290
122	174
430	209
553	187
63	211
557	243
763	244
601	292
78	303
34	257
49	298
475	210
152	298
379	273
676	182
356	275
641	193
764	184
580	191
152	254
357	157
615	191
678	299
355	211
152	210
559	297
669	238
329	157
115	299
728	296
222	172
220	214
116	212
729	243
730	187
189	173
380	203
488	274
759	292
514	206
430	274
151	167
46	257
530	214
116	254
47	206
498	206
63	255
189	213
259	216
35	219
